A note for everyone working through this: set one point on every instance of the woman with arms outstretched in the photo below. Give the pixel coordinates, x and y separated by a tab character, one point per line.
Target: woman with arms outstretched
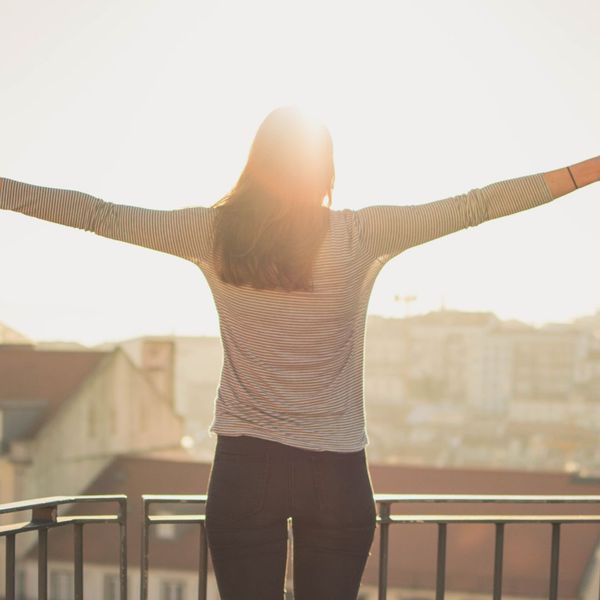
291	279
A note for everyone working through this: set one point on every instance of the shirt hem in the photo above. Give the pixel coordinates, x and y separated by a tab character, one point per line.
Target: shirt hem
285	439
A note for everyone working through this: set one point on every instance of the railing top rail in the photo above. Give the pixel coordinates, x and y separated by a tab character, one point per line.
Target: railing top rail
56	500
493	519
495	498
394	498
60	521
150	498
162	519
418	518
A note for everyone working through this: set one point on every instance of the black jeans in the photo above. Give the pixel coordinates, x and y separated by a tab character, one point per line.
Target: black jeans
254	486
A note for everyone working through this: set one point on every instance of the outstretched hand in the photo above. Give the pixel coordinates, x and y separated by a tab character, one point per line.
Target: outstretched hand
568	179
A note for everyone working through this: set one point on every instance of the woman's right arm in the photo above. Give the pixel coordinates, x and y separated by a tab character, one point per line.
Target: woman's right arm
386	231
184	232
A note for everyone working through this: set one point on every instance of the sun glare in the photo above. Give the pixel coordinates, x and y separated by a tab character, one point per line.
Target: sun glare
423	101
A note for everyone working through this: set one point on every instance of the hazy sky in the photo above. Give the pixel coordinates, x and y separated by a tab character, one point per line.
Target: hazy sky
155	103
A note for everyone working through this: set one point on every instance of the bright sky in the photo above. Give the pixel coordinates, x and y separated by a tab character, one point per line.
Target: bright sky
155	103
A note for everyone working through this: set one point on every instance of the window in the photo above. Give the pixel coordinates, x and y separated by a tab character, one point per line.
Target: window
110	587
92	420
165	531
172	590
112	415
61	585
20	585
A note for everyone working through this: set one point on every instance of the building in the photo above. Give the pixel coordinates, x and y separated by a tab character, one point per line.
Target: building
65	415
466	389
187	369
10	336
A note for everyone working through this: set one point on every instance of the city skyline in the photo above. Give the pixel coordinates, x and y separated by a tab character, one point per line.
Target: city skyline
11	334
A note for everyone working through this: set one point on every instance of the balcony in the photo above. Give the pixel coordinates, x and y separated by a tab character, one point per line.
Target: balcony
555	513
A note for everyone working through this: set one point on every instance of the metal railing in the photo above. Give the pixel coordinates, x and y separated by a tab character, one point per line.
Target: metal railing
44	515
386	519
147	501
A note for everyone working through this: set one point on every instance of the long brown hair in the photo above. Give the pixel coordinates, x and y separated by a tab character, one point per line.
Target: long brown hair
270	226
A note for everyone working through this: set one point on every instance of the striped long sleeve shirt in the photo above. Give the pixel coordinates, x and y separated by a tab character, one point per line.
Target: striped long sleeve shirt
293	361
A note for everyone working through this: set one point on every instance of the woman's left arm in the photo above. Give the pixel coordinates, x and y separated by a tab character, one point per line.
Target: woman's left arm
389	230
185	232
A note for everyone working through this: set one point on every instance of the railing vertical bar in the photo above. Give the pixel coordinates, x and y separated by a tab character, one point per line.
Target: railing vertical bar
42	564
10	566
123	548
78	556
203	570
554	561
441	562
144	557
384	530
498	558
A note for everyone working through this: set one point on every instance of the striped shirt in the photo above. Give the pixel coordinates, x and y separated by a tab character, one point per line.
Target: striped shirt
293	361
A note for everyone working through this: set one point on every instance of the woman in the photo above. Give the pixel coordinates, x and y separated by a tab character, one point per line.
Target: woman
291	280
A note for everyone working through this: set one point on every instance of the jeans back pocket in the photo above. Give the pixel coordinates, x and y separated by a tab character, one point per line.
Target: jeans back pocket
344	490
237	486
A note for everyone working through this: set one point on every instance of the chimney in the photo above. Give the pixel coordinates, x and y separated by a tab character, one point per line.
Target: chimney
158	361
